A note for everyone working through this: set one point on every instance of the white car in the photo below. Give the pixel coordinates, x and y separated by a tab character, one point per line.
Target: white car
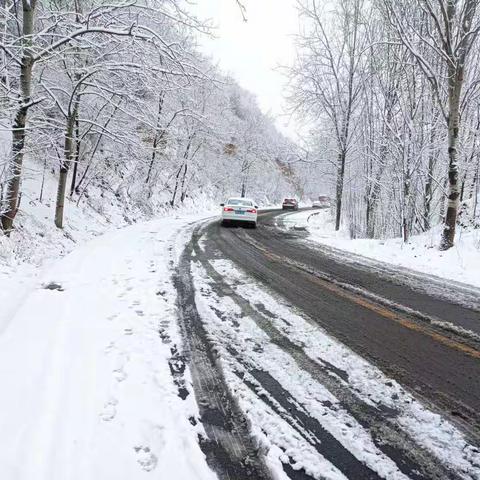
241	210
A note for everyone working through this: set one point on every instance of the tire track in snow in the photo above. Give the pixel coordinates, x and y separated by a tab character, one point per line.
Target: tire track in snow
378	420
444	379
229	449
325	444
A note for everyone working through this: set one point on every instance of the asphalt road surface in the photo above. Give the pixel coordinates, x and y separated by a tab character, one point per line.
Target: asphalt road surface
416	330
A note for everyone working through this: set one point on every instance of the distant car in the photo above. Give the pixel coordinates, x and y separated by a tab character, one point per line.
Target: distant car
241	210
290	204
322	202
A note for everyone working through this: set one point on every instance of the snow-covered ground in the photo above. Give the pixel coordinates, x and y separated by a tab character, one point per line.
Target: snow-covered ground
461	263
85	345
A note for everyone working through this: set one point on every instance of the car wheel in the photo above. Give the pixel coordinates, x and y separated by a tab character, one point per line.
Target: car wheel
224	223
254	224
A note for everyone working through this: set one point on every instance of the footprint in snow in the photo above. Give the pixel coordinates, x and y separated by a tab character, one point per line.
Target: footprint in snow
119	375
128	331
109	410
53	286
147	460
165	337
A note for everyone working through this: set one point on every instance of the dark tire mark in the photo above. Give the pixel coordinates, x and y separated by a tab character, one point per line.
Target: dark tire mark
294	474
325	443
229	448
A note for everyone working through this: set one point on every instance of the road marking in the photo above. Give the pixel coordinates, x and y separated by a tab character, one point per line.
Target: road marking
387	313
369	304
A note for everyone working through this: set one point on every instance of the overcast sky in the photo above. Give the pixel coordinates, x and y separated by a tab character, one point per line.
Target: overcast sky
250	51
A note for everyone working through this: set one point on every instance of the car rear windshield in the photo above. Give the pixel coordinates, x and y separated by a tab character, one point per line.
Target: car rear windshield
240	202
289	200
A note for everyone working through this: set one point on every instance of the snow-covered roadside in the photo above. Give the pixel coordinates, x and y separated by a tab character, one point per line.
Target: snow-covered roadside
87	390
461	263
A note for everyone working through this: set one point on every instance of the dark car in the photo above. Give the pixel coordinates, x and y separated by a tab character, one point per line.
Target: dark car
290	204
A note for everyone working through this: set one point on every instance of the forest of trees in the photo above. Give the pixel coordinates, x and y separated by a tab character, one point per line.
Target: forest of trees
115	96
391	88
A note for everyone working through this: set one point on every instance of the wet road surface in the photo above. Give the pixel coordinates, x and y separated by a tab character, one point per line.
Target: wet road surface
422	337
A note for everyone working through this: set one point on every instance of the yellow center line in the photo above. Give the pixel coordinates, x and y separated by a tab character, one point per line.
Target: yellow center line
375	307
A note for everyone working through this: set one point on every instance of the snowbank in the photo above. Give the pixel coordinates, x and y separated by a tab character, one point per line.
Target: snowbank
461	263
86	347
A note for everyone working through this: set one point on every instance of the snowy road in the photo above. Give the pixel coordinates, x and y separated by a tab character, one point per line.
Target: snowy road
308	366
178	348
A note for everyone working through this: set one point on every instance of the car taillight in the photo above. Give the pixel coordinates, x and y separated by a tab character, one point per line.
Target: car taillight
252	210
228	209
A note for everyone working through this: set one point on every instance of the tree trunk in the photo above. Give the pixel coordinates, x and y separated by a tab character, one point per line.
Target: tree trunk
474	192
405	208
62	179
185	161
177	177
183	190
339	190
462	188
4	75
18	141
158	136
427	206
455	83
373	198
59	206
244	174
77	156
473	186
40	197
455	86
